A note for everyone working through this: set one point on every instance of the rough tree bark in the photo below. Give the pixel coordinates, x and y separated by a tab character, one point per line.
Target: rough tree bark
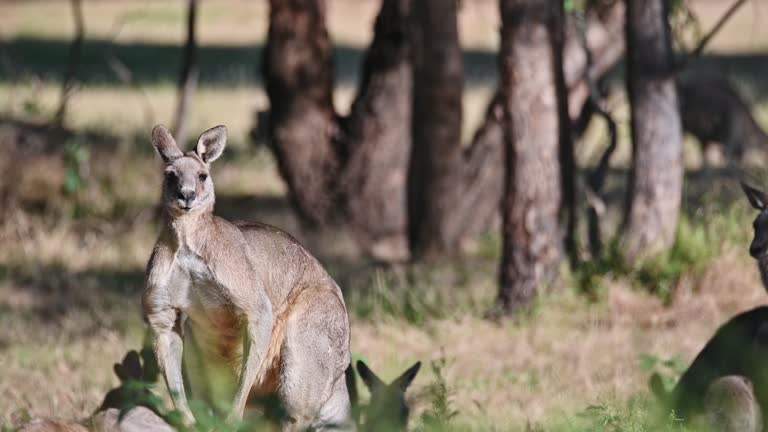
298	72
377	141
532	236
435	177
352	169
603	36
188	78
75	55
656	176
484	177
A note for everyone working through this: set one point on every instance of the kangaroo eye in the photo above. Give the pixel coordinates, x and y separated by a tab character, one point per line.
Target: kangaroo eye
170	175
203	177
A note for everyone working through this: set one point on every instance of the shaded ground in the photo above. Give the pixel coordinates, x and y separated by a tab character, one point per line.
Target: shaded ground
72	264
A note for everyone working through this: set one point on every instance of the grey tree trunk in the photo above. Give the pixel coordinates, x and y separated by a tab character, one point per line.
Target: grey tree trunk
436	172
484	175
303	127
350	169
656	177
532	236
377	140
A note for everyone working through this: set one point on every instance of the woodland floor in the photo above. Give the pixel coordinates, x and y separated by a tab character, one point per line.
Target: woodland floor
71	265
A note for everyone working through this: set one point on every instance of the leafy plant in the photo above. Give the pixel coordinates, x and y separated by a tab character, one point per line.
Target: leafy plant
668	370
439	416
697	242
77	157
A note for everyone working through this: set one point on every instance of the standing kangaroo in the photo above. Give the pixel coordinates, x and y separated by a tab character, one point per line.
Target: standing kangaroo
728	379
247	293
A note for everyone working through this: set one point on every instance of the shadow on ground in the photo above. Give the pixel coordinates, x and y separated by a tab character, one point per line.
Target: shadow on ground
158	63
223	65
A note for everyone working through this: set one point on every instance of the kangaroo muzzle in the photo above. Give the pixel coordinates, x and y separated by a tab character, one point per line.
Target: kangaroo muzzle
186	198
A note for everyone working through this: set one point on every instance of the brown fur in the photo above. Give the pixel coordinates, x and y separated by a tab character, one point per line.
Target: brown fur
248	293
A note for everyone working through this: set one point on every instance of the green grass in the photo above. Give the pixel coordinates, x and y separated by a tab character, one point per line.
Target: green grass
699	239
424	292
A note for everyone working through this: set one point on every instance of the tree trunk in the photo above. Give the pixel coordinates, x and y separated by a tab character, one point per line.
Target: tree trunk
298	74
356	169
435	179
75	55
377	142
532	236
568	169
351	169
484	175
187	79
656	177
603	36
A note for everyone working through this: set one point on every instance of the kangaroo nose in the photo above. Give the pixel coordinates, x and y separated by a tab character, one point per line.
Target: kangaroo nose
187	195
756	249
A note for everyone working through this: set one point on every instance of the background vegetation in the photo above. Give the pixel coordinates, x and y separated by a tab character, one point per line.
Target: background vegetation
78	221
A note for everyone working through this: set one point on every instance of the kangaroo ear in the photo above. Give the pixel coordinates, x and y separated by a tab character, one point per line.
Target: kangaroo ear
121	373
211	143
370	379
132	365
756	197
405	380
165	144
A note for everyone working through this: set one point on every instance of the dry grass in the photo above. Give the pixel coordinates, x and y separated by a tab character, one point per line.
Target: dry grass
69	286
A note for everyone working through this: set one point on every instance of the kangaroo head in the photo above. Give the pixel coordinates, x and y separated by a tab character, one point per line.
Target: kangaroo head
387	410
759	200
187	184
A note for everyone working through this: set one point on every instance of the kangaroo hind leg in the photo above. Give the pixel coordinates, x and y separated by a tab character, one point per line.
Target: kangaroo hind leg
315	353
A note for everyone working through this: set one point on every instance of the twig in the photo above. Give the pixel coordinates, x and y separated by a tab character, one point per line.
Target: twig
708	37
596	178
124	75
75	54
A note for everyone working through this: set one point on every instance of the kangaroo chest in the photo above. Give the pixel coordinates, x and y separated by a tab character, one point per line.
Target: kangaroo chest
213	321
197	283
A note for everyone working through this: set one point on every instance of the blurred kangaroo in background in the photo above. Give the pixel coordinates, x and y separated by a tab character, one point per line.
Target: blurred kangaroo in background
387	410
730	406
713	111
245	294
728	380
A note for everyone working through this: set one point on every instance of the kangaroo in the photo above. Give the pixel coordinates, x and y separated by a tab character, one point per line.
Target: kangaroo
730	406
387	411
247	294
738	348
738	351
713	111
